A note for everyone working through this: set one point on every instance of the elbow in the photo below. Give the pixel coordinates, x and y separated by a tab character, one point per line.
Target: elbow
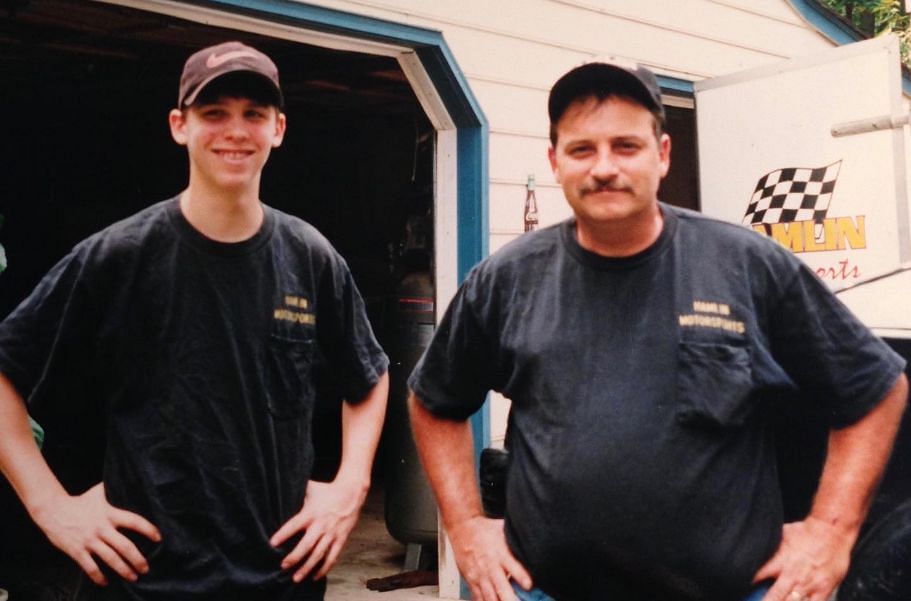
414	404
898	395
901	391
892	406
422	420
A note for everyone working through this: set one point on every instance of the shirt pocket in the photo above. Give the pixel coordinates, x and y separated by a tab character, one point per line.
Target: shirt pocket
289	381
714	382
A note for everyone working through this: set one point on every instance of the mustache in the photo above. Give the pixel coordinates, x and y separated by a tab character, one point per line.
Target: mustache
603	186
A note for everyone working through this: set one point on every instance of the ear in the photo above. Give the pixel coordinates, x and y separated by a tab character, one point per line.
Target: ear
552	157
178	122
664	150
281	123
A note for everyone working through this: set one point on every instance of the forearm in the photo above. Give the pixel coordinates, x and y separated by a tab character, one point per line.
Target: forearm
362	424
20	459
855	461
446	449
479	544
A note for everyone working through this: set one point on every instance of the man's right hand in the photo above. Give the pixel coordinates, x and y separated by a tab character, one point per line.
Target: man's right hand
86	527
485	560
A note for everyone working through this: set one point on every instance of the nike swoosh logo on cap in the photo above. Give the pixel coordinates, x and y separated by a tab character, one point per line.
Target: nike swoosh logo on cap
216	60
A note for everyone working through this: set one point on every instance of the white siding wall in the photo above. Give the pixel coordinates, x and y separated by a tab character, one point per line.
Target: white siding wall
511	51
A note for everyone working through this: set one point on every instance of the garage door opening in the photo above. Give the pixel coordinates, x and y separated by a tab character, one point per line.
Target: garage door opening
87	90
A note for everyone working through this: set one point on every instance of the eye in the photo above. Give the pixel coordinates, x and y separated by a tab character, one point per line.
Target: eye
212	113
256	114
580	150
626	146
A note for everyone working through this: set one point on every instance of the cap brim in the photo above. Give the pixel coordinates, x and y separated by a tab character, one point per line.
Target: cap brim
277	93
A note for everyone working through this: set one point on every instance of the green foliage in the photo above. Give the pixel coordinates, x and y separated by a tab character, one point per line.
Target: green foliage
891	18
37	432
875	17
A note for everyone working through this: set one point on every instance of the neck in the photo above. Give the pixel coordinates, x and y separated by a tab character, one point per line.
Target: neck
222	217
623	238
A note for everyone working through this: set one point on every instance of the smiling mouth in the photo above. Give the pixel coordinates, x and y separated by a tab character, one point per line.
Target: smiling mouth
233	155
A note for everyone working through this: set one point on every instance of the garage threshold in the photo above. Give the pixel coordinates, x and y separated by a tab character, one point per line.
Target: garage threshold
371	552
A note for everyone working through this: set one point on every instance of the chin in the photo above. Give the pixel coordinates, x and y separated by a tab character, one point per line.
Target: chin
608	216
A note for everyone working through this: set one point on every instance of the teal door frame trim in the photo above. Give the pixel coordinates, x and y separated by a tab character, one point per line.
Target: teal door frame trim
836	29
826	22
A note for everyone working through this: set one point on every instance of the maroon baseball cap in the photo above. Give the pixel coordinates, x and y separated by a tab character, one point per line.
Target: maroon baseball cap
208	64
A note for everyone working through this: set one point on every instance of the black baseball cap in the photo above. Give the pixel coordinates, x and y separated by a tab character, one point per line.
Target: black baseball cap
602	79
208	64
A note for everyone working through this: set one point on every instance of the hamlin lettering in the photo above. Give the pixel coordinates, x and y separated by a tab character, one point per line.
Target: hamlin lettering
296	301
837	233
711	307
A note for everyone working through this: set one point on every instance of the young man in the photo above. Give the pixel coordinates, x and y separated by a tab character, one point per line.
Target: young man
641	345
199	324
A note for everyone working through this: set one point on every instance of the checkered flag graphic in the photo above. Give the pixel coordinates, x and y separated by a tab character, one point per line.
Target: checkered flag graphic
793	194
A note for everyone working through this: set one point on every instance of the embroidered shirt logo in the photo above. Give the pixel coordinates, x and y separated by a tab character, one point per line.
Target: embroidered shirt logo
707	314
216	60
296	309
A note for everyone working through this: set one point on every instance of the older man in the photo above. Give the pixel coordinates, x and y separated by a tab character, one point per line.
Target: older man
640	345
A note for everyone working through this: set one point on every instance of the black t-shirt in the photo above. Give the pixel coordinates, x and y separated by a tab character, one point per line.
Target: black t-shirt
198	357
643	464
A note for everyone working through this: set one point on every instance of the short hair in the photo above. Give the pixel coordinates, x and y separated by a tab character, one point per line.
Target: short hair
239	84
600	81
658	118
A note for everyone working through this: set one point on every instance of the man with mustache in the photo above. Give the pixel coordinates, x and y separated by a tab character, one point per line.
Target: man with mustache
641	346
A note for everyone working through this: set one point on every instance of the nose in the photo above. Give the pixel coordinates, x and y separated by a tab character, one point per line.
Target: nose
235	129
605	165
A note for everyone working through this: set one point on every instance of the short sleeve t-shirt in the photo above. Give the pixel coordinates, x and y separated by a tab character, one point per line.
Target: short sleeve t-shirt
643	464
198	357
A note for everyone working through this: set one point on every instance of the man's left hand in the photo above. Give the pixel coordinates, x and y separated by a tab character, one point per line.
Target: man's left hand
810	563
327	518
